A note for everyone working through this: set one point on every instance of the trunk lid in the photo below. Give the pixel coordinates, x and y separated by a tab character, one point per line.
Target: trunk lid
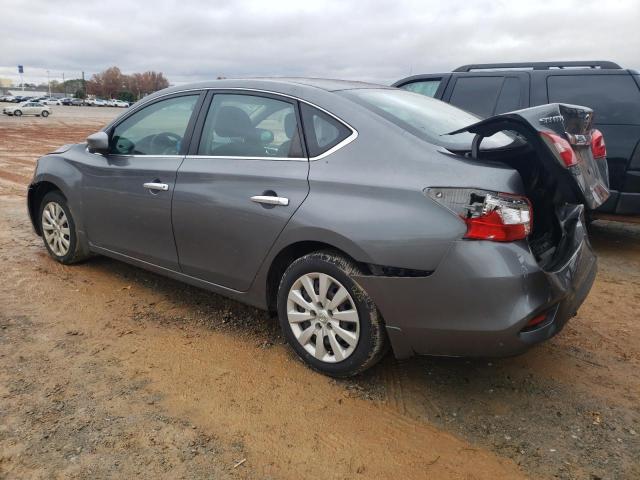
561	136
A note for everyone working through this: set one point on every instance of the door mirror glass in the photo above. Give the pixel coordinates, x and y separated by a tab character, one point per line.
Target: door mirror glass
98	142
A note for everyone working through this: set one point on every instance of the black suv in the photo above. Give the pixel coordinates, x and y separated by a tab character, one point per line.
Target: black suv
611	91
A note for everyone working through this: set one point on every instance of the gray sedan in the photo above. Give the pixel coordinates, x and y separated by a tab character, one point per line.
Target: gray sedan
364	216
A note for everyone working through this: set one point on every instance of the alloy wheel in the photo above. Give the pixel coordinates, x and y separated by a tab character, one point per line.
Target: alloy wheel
323	317
55	228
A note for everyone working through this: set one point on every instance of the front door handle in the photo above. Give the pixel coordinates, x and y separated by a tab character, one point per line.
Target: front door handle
269	200
156	186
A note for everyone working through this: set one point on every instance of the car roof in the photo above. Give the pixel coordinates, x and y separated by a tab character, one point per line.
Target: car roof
285	85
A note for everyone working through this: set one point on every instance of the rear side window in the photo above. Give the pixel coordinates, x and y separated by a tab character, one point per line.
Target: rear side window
476	94
423	87
322	131
615	99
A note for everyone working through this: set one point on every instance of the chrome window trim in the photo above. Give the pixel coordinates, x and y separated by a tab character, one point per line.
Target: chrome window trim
335	148
227	157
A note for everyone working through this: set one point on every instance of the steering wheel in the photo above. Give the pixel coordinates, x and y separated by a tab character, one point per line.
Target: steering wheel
165	143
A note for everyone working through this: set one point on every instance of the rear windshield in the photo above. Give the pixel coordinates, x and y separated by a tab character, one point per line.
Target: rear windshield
424	117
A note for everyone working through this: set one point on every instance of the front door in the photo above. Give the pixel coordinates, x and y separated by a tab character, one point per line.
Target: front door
127	192
239	188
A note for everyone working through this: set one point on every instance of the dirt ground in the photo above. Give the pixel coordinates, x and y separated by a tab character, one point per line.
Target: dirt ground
107	371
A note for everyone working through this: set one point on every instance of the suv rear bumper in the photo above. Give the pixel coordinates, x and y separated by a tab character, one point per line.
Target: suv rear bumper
483	294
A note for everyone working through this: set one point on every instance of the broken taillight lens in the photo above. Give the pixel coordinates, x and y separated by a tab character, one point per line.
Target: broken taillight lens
495	216
598	147
561	147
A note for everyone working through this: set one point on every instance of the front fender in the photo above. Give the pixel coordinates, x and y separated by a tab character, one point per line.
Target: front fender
56	172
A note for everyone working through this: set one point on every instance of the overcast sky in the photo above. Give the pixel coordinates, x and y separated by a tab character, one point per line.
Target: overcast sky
375	41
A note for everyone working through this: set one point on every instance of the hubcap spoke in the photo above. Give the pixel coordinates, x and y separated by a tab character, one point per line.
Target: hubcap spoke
306	335
346	335
338	299
346	316
323	284
335	346
298	317
307	282
296	297
320	350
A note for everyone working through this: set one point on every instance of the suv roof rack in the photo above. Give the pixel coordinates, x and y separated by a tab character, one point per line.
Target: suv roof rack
540	65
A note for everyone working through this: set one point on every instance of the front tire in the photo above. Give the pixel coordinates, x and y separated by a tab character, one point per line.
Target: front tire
59	229
327	318
17	113
45	114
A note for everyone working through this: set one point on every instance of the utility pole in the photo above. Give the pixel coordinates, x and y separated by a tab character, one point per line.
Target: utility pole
84	86
64	85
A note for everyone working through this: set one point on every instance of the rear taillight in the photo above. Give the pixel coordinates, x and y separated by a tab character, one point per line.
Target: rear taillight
562	147
499	217
598	147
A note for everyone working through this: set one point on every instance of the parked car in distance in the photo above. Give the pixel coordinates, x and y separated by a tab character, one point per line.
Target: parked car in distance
611	91
362	215
97	102
7	98
119	104
51	101
66	101
78	102
28	108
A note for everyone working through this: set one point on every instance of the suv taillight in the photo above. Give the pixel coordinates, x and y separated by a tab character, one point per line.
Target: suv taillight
561	147
598	147
495	216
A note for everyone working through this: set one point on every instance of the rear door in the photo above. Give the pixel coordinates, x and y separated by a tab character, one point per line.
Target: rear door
488	93
244	177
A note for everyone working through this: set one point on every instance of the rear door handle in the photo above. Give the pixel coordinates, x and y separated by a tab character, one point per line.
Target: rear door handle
156	186
269	200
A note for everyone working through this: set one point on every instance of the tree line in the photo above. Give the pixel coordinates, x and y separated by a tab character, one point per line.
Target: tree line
111	83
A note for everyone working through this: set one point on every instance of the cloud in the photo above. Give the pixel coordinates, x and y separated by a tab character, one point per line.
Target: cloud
365	40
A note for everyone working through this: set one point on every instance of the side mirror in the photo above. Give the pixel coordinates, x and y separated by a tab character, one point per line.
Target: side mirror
98	142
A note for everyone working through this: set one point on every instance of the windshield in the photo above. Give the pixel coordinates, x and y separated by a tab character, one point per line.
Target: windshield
424	117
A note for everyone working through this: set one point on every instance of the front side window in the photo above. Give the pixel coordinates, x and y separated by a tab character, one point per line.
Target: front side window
239	125
155	130
322	131
423	87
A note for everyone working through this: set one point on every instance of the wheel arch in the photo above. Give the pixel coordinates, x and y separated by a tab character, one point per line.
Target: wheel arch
290	253
36	193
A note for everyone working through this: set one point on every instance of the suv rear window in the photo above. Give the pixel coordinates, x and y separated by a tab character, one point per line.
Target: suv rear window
615	99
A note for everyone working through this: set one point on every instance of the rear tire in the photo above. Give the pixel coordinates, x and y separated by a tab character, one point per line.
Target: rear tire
45	114
18	113
327	318
59	229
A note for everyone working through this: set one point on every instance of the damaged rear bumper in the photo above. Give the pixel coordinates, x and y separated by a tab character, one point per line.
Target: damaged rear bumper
480	299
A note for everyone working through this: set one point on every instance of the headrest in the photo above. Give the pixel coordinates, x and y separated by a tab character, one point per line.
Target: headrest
290	125
233	122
